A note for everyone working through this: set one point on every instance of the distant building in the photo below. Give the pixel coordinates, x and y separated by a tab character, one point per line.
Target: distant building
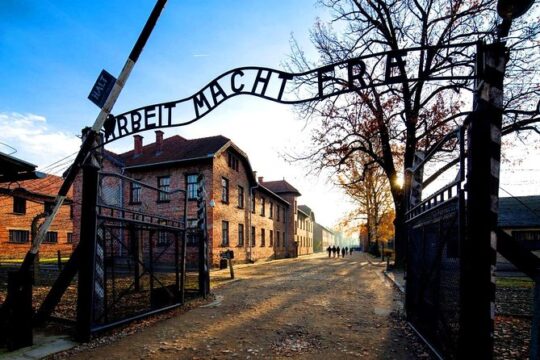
520	217
322	238
23	206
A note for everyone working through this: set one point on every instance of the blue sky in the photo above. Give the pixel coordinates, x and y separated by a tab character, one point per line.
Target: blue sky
51	53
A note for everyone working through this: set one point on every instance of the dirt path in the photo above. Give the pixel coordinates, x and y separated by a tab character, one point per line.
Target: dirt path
307	308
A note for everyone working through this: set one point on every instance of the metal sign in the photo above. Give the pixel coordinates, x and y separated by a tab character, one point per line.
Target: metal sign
370	71
102	88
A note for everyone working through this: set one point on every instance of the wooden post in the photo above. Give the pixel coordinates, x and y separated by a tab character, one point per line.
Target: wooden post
231	268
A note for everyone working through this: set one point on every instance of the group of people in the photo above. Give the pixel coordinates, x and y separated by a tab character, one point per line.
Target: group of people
333	250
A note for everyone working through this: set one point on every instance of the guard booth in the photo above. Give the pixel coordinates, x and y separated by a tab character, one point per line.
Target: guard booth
16	320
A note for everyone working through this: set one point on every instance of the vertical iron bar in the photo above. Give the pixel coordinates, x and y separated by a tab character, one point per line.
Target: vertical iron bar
184	245
150	259
535	326
176	265
478	254
87	246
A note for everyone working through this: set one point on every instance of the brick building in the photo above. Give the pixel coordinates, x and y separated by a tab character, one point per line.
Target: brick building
25	202
322	238
256	219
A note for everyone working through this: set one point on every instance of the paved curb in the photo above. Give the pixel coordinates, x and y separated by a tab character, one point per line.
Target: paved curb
391	276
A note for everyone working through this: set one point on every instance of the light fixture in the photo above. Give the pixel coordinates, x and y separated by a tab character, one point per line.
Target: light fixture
512	9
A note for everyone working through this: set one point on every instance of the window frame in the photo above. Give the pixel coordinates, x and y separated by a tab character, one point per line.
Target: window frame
51	234
263	206
192	187
132	190
18	203
224	190
240	197
263	237
12	232
252	238
225	239
163	194
240	235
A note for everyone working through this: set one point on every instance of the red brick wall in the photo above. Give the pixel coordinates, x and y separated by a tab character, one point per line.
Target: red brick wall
230	212
11	221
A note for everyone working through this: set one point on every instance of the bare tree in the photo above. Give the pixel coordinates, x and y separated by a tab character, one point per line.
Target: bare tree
367	185
388	124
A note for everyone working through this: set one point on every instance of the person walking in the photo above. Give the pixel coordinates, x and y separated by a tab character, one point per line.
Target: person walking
329	249
343	252
347	250
338	251
334	250
350	251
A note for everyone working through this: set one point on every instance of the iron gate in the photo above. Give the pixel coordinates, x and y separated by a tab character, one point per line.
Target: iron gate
140	253
436	230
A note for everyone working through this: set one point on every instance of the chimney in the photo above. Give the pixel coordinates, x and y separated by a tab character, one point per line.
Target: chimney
159	141
261	179
137	145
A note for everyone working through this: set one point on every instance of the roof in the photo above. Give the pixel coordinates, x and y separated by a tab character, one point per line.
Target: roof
175	149
46	188
324	228
307	210
281	187
271	193
519	211
13	169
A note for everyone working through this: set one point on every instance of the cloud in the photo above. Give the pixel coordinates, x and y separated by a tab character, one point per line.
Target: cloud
33	139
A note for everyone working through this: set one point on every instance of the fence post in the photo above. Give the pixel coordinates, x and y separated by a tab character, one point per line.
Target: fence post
204	270
87	248
478	251
535	326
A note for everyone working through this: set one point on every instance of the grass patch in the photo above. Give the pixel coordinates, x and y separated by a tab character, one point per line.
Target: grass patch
515	282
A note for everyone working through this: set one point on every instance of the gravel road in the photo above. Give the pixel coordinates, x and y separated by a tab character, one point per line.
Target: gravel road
307	308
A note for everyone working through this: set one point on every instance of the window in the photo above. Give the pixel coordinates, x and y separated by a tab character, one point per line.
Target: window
192	232
262	206
271	211
224	233
278	240
224	190
233	162
278	211
19	236
164	184
48	207
19	205
253	242
71	211
51	237
240	234
135	193
263	240
271	238
163	237
253	203
192	187
69	238
240	197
